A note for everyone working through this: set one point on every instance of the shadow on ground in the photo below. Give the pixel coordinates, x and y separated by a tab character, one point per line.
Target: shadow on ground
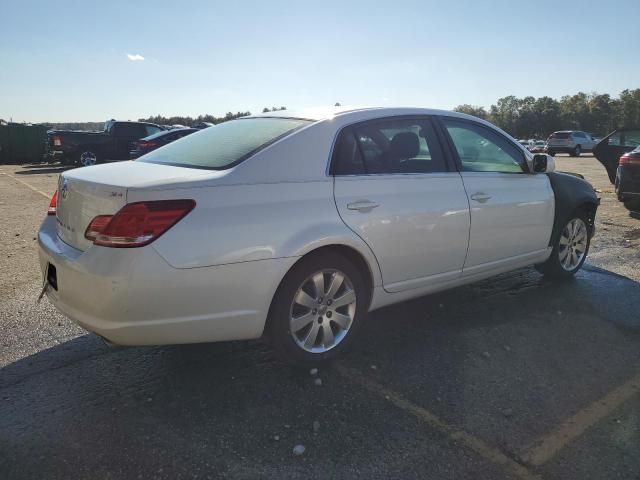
40	169
516	342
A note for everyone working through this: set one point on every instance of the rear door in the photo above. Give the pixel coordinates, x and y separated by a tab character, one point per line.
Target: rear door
609	150
512	211
393	188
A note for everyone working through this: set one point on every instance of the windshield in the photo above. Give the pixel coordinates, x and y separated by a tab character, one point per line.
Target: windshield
226	144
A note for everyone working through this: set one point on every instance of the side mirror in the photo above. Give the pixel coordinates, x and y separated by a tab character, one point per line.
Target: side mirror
543	163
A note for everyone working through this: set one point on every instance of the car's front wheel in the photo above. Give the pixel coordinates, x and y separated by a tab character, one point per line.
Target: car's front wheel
318	308
570	248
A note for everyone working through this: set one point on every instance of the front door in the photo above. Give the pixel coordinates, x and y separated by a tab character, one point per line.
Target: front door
393	189
613	146
512	210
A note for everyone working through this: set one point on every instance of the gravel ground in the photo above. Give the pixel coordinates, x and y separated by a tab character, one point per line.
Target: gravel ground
463	384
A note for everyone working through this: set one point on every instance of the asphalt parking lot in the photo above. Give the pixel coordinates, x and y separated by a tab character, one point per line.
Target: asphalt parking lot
512	377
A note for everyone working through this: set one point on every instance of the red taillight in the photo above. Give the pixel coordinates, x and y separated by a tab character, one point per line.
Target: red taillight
97	226
57	141
138	224
146	144
53	204
629	160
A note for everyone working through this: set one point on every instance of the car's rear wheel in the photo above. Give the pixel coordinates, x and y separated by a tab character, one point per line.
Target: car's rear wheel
570	248
576	151
318	309
88	159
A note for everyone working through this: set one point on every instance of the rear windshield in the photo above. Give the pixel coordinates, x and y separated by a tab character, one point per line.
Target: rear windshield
224	145
163	133
560	135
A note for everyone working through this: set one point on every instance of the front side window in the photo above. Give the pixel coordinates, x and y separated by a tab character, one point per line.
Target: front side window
224	145
388	146
482	150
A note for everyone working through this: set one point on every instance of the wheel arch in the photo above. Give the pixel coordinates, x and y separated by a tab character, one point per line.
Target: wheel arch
361	261
572	194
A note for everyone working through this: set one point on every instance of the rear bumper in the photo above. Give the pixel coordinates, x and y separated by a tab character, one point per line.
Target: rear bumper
133	297
55	154
566	148
629	180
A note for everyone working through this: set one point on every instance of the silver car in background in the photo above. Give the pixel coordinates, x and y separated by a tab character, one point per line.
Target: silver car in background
573	142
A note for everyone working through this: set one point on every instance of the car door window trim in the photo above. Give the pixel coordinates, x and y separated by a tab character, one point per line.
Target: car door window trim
427	119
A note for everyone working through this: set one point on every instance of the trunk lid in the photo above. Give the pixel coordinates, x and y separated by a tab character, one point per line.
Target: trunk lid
79	202
84	193
609	150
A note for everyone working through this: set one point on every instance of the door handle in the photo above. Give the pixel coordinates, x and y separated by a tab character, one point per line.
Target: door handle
480	197
362	205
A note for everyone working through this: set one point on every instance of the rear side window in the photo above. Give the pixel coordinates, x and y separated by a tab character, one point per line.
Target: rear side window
224	145
387	147
560	135
133	130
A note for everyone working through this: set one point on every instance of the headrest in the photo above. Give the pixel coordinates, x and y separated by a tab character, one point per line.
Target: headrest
405	145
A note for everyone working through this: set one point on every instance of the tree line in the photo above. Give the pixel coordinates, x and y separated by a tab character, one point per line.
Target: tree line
188	121
531	117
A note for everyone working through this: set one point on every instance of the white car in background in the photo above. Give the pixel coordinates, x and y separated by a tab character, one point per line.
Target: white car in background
297	225
573	142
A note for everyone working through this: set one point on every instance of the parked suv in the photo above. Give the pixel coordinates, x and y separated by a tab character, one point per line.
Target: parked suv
573	142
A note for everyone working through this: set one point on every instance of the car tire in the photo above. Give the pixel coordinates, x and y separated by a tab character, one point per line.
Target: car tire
87	158
303	322
570	248
576	151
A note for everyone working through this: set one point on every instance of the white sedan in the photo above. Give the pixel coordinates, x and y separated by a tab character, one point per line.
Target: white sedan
296	225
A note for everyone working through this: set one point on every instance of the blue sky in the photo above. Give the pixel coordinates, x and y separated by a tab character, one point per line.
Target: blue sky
68	60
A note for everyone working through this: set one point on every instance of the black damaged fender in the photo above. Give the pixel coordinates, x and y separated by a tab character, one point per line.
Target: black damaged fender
572	192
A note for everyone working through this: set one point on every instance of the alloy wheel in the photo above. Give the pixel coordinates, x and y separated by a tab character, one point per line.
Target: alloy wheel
322	311
573	244
88	159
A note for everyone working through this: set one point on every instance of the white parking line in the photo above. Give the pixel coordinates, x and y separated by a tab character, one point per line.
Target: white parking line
48	197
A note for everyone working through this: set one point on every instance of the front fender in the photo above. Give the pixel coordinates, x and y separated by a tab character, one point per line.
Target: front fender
571	192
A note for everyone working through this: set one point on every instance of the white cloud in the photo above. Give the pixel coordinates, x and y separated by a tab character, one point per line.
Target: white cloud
135	57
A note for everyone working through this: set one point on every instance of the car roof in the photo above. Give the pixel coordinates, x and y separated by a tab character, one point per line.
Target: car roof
326	113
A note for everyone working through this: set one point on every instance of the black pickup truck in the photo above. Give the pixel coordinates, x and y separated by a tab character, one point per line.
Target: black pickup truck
78	147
